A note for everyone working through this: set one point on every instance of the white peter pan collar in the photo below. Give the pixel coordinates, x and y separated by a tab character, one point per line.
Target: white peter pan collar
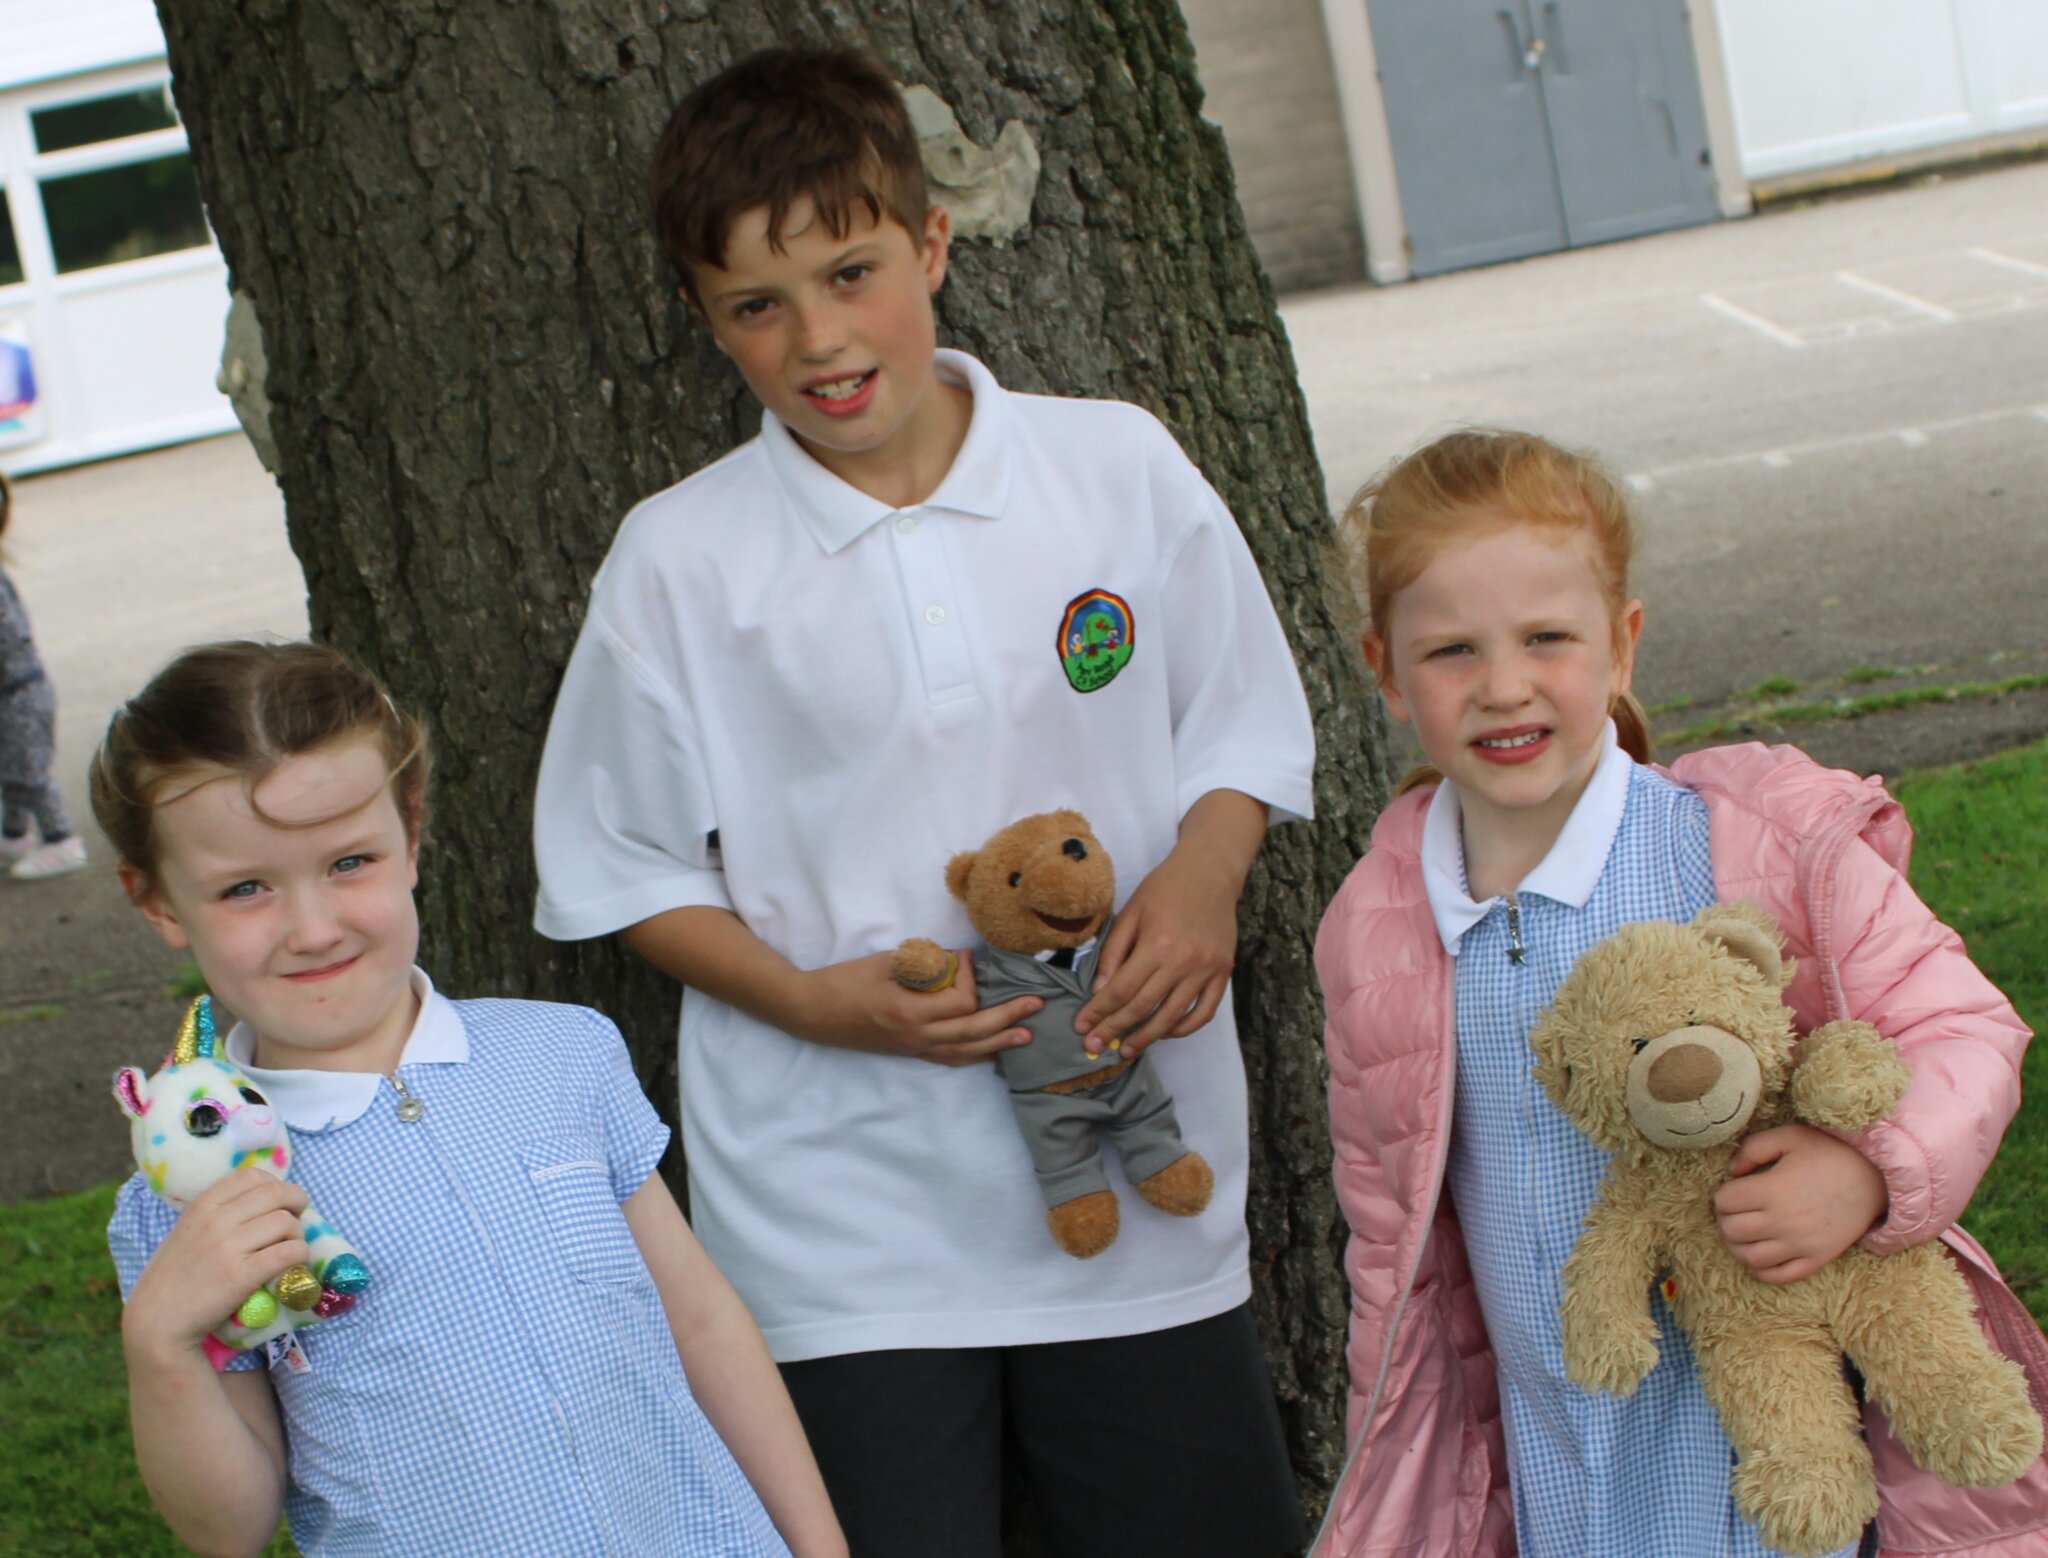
978	484
1566	875
323	1100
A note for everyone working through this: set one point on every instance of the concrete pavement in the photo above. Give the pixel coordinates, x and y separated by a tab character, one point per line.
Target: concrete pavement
1835	420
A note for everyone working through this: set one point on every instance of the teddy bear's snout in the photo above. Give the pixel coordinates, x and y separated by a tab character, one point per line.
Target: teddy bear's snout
1694	1087
1683	1073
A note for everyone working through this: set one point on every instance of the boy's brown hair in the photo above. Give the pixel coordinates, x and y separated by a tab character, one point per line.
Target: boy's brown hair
779	126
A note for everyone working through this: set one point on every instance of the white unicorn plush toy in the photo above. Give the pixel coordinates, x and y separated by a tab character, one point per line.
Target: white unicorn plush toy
197	1121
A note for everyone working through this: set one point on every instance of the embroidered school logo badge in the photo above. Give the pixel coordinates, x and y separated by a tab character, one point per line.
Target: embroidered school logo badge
1096	638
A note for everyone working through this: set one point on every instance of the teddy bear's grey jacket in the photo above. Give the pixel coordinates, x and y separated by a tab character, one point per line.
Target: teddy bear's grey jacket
1056	1052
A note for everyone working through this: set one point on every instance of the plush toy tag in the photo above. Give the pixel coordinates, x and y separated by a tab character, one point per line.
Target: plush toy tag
286	1350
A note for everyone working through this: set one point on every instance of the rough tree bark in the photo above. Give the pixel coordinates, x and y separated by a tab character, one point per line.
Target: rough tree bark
477	362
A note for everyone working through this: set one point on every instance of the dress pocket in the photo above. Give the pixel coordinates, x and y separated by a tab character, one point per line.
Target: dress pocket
573	1184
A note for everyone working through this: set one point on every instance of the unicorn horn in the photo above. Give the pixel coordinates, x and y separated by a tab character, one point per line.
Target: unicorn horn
195	1033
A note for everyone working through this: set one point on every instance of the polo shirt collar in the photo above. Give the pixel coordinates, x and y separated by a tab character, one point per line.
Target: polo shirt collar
1566	875
837	513
326	1100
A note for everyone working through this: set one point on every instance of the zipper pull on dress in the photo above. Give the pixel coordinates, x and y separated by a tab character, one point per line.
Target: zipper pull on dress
1515	955
409	1107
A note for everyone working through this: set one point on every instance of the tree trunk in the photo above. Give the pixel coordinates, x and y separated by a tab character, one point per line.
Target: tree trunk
477	362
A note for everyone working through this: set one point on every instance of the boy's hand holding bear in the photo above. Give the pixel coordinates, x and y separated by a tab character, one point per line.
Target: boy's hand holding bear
1042	893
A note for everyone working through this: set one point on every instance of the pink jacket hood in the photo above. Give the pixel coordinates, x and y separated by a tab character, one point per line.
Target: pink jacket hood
1822	852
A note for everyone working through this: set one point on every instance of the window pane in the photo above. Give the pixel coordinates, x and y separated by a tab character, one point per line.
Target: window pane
10	256
104	118
124	213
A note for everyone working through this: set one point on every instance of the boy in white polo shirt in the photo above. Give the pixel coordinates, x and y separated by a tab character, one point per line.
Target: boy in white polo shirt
915	608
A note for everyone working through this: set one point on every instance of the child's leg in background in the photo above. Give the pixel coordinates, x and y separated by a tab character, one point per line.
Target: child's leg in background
35	830
28	728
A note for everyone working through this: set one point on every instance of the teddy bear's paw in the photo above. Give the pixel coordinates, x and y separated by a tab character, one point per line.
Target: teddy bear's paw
1182	1187
1086	1225
1807	1500
1610	1356
1989	1435
924	965
1847	1076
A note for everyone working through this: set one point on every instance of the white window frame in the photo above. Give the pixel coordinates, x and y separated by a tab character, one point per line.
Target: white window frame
24	169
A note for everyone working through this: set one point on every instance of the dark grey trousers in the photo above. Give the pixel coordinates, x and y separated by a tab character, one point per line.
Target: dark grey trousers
28	790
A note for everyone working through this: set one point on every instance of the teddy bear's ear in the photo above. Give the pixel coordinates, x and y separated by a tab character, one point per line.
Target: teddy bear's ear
1070	821
959	870
1750	934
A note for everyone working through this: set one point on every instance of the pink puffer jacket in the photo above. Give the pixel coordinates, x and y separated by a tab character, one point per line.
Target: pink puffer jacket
1823	853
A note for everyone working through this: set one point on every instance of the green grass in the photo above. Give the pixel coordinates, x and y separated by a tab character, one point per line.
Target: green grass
1863	675
1782	714
187	984
1980	859
68	1485
64	1483
1774	687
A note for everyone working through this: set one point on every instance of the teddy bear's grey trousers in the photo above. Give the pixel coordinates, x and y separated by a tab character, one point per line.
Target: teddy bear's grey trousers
1064	1132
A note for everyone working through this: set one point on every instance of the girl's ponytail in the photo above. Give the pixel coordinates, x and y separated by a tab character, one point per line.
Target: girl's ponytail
1632	727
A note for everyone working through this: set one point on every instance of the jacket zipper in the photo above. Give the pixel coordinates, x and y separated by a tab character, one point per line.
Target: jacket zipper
1436	1191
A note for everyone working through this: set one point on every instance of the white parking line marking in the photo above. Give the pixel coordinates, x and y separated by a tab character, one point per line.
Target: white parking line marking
1743	316
1780	458
2009	261
1878	289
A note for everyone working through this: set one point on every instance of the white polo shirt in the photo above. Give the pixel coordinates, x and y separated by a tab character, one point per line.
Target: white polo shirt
845	695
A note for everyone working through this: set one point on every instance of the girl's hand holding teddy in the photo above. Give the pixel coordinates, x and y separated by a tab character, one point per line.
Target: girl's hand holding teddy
234	1237
1820	1196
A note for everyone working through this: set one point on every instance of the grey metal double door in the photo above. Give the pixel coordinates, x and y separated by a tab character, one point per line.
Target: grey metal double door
1522	126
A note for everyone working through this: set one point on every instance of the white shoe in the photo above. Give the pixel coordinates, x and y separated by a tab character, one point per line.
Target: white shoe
12	850
59	858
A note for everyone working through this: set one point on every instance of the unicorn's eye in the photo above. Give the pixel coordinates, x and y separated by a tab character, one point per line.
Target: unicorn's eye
251	1096
1640	1044
204	1119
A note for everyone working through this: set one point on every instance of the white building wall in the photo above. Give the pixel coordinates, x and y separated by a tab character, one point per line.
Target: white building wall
44	38
115	320
1830	81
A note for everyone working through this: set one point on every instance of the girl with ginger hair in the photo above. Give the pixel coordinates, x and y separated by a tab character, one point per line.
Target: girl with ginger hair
1494	567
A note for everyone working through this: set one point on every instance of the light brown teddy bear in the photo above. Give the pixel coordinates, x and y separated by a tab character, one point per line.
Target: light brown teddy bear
1041	893
1666	1046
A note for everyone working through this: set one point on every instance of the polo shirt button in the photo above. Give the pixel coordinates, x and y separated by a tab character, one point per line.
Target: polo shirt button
905	524
935	615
